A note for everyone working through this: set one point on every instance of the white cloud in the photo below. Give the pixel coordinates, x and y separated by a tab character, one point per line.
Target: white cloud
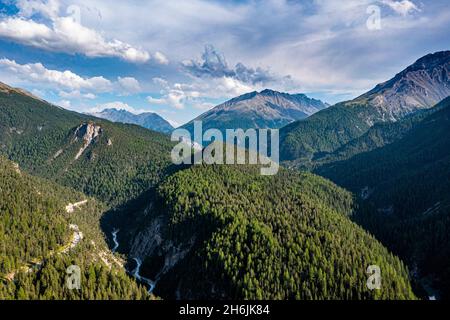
66	104
129	85
66	34
158	101
323	44
174	98
71	85
403	7
213	64
180	95
161	82
48	9
231	86
76	94
160	58
26	31
37	73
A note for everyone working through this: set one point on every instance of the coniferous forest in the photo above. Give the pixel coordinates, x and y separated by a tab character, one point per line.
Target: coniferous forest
94	204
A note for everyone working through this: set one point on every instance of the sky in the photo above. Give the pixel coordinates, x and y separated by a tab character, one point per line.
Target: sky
180	58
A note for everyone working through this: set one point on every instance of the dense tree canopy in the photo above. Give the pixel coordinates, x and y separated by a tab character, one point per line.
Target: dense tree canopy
119	164
36	238
281	237
405	192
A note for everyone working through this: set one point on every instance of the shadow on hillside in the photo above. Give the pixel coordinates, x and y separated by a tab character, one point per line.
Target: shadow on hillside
129	217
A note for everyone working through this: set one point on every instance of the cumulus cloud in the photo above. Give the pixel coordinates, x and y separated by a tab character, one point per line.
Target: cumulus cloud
211	77
66	34
161	82
160	58
37	73
176	95
65	104
70	84
129	85
214	65
158	101
194	94
403	7
174	98
48	9
324	44
76	94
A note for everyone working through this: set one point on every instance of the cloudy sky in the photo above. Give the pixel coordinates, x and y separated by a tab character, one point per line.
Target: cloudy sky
179	58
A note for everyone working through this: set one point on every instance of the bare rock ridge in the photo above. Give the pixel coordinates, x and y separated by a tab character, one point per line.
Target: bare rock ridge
420	86
267	109
88	133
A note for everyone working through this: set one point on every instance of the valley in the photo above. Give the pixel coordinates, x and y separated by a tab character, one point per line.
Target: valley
106	196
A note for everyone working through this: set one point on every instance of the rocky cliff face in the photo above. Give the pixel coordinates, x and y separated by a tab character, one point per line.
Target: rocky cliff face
420	86
151	244
145	236
273	102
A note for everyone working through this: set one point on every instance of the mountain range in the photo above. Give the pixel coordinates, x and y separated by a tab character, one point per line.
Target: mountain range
126	167
267	109
404	192
147	120
111	161
225	231
418	87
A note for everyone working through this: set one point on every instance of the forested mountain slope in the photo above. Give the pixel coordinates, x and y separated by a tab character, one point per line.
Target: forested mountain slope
44	229
420	86
227	232
376	137
114	162
405	191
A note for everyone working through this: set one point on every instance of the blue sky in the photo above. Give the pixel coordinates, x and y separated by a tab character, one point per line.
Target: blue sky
179	58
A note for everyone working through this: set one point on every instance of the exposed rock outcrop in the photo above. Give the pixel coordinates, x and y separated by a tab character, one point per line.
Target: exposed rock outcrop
267	109
151	243
87	132
70	208
420	86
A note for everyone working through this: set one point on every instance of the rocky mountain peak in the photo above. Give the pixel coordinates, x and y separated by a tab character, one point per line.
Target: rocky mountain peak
420	86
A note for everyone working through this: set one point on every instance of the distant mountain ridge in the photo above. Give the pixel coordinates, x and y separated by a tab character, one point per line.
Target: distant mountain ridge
267	109
418	87
404	191
80	151
421	85
148	120
4	88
